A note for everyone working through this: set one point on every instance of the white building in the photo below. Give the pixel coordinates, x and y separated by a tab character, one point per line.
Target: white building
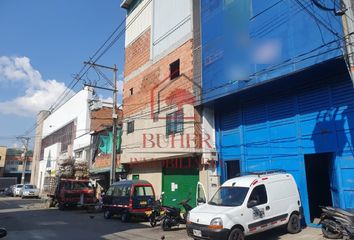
66	130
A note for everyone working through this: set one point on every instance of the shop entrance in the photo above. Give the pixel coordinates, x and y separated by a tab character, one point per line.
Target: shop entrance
232	169
318	168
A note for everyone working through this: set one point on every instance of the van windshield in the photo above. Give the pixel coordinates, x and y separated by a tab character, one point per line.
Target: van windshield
229	196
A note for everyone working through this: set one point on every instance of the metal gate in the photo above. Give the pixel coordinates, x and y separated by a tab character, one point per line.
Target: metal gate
179	184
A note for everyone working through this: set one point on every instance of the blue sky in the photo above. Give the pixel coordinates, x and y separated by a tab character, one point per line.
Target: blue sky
42	44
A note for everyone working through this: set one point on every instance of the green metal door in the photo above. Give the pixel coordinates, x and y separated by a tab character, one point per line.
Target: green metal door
179	184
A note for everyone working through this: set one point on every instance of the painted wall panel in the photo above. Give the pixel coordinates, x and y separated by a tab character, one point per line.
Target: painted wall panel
348	197
169	27
138	21
347	179
289	163
284	147
257	165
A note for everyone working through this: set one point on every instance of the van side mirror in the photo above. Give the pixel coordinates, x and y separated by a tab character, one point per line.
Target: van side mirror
200	200
252	203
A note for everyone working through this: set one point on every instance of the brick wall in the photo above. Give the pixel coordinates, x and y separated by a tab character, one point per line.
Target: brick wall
102	118
158	76
137	53
104	161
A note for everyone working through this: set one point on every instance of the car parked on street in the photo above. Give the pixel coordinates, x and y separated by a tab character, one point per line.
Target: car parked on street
17	190
29	190
128	198
9	191
246	205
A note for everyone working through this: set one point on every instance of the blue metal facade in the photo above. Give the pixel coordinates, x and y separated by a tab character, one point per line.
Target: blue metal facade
301	104
234	34
276	130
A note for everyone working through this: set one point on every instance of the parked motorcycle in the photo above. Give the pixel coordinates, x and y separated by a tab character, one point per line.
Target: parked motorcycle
3	232
156	213
172	216
337	223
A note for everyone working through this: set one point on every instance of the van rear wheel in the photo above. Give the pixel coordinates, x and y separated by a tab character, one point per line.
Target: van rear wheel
236	234
294	224
107	214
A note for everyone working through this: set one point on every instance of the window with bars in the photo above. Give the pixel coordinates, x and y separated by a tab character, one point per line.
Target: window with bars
174	122
130	127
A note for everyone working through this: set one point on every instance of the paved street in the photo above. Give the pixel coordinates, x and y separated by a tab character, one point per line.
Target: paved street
28	219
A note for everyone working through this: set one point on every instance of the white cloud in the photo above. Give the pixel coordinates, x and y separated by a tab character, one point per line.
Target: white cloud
105	100
109	99
120	86
39	94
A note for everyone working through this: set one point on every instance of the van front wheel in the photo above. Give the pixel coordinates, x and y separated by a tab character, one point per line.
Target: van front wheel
294	224
236	234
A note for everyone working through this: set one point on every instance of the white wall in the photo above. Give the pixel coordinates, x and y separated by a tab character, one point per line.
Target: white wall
136	25
152	174
172	23
52	153
41	173
77	108
133	143
208	129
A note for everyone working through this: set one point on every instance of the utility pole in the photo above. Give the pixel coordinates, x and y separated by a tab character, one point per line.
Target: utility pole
114	129
348	29
114	119
25	142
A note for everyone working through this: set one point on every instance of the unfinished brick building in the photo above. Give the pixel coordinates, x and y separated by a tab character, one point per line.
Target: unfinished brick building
161	128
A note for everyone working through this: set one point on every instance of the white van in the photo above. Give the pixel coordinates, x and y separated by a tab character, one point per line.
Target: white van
246	205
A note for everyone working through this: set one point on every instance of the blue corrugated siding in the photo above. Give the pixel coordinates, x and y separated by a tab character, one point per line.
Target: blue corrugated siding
275	133
304	34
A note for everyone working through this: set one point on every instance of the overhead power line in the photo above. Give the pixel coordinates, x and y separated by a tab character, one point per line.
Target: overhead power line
98	54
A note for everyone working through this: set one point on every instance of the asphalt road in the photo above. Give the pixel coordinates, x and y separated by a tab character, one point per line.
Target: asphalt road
28	219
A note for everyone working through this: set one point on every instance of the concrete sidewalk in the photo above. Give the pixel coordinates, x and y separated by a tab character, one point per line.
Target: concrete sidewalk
280	234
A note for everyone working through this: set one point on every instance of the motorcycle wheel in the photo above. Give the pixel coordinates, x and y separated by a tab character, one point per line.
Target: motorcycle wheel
327	233
166	225
152	221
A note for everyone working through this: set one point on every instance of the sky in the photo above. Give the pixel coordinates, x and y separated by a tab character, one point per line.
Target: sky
43	44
